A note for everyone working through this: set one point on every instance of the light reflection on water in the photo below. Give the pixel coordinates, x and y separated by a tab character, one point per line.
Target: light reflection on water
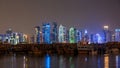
47	61
59	61
106	61
116	61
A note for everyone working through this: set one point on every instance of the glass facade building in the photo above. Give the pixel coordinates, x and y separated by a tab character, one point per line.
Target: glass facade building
78	35
117	35
46	33
72	38
107	36
54	33
37	30
62	34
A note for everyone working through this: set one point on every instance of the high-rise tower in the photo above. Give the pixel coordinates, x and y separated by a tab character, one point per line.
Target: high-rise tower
46	33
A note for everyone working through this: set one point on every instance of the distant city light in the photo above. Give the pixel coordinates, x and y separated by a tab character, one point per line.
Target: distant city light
117	30
106	27
99	38
86	31
52	34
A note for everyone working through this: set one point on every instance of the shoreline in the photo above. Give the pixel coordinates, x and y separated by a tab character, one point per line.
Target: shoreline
59	48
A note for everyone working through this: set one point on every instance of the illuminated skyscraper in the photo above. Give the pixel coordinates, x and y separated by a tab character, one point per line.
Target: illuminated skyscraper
98	38
54	32
37	30
62	34
14	38
91	38
113	38
8	35
107	36
78	36
46	33
85	37
67	36
72	35
117	35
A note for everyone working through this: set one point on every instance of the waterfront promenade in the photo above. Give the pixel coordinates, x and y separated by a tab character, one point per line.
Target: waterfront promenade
59	48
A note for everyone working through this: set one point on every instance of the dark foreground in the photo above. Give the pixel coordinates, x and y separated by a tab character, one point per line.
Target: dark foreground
59	61
61	48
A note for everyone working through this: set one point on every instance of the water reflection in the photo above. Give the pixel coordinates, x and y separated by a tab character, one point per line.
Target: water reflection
106	61
116	61
47	61
13	60
71	62
99	62
59	61
25	62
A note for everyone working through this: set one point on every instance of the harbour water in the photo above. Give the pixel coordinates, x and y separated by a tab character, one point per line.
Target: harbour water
59	61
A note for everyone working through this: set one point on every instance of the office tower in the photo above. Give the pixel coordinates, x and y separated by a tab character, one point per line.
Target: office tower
113	38
107	36
78	36
25	38
20	37
117	35
46	33
98	38
54	32
91	38
41	37
8	35
67	36
72	35
85	37
14	40
62	34
37	30
32	38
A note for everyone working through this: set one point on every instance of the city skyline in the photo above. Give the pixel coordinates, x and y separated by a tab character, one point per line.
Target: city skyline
22	15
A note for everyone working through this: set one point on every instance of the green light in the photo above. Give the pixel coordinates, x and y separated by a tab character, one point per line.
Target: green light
72	35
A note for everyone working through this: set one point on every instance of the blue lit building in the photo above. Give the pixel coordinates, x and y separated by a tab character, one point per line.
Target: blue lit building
91	38
86	36
46	33
117	35
37	30
98	38
78	35
47	61
13	38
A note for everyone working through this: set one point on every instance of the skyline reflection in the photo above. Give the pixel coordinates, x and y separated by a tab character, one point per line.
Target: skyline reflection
47	61
106	61
60	61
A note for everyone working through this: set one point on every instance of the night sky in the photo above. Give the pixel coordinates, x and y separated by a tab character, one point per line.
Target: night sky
23	15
